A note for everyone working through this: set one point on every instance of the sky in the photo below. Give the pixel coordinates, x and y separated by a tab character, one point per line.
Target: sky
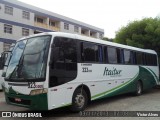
109	15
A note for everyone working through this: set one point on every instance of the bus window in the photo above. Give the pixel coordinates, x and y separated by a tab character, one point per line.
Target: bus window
119	55
154	57
100	54
105	54
134	57
139	58
112	55
149	59
90	52
127	57
96	53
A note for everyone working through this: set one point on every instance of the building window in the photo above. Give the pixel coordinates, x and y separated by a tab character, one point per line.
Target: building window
76	29
83	32
51	23
7	28
40	20
26	15
101	36
9	10
66	26
25	32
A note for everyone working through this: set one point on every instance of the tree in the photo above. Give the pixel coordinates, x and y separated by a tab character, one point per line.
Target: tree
144	33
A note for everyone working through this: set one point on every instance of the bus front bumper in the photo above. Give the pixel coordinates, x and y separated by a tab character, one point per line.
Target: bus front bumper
34	102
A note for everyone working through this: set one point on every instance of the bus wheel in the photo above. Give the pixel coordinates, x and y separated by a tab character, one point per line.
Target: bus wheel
139	88
79	100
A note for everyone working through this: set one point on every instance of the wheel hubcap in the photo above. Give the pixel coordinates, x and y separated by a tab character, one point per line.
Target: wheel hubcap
80	100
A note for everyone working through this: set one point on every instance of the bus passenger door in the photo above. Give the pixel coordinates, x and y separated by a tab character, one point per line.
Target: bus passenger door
63	69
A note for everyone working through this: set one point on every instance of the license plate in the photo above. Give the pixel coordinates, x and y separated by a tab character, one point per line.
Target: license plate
17	99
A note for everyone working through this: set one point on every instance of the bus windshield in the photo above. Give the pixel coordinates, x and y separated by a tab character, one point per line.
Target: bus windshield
29	59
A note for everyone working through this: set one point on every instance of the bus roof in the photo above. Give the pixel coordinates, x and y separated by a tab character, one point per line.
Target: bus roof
89	39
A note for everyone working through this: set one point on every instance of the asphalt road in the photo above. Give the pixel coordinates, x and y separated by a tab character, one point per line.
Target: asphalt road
149	101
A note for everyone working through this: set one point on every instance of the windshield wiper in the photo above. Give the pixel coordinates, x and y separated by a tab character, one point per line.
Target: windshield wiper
15	69
20	65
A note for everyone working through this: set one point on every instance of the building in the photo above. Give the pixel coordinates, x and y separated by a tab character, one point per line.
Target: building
18	19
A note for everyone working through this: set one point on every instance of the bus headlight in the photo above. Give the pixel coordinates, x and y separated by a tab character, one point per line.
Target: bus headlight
38	91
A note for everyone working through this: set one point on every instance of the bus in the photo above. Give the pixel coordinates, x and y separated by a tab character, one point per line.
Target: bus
54	69
5	56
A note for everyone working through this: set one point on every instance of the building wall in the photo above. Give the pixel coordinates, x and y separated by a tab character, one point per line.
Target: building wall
18	22
17	16
71	28
16	32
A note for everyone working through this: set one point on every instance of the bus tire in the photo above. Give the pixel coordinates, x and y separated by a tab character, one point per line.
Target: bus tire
139	88
79	100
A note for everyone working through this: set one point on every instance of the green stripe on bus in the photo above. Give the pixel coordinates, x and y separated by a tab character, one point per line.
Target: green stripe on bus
114	89
154	74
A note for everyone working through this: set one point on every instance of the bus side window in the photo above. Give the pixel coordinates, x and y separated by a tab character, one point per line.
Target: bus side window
89	52
151	59
134	58
120	55
96	48
148	59
100	54
139	58
144	58
112	55
154	57
66	53
105	54
128	59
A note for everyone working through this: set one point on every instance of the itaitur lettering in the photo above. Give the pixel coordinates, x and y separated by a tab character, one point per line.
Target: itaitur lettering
113	72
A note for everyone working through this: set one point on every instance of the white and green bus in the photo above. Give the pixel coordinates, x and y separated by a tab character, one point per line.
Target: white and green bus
4	57
52	70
